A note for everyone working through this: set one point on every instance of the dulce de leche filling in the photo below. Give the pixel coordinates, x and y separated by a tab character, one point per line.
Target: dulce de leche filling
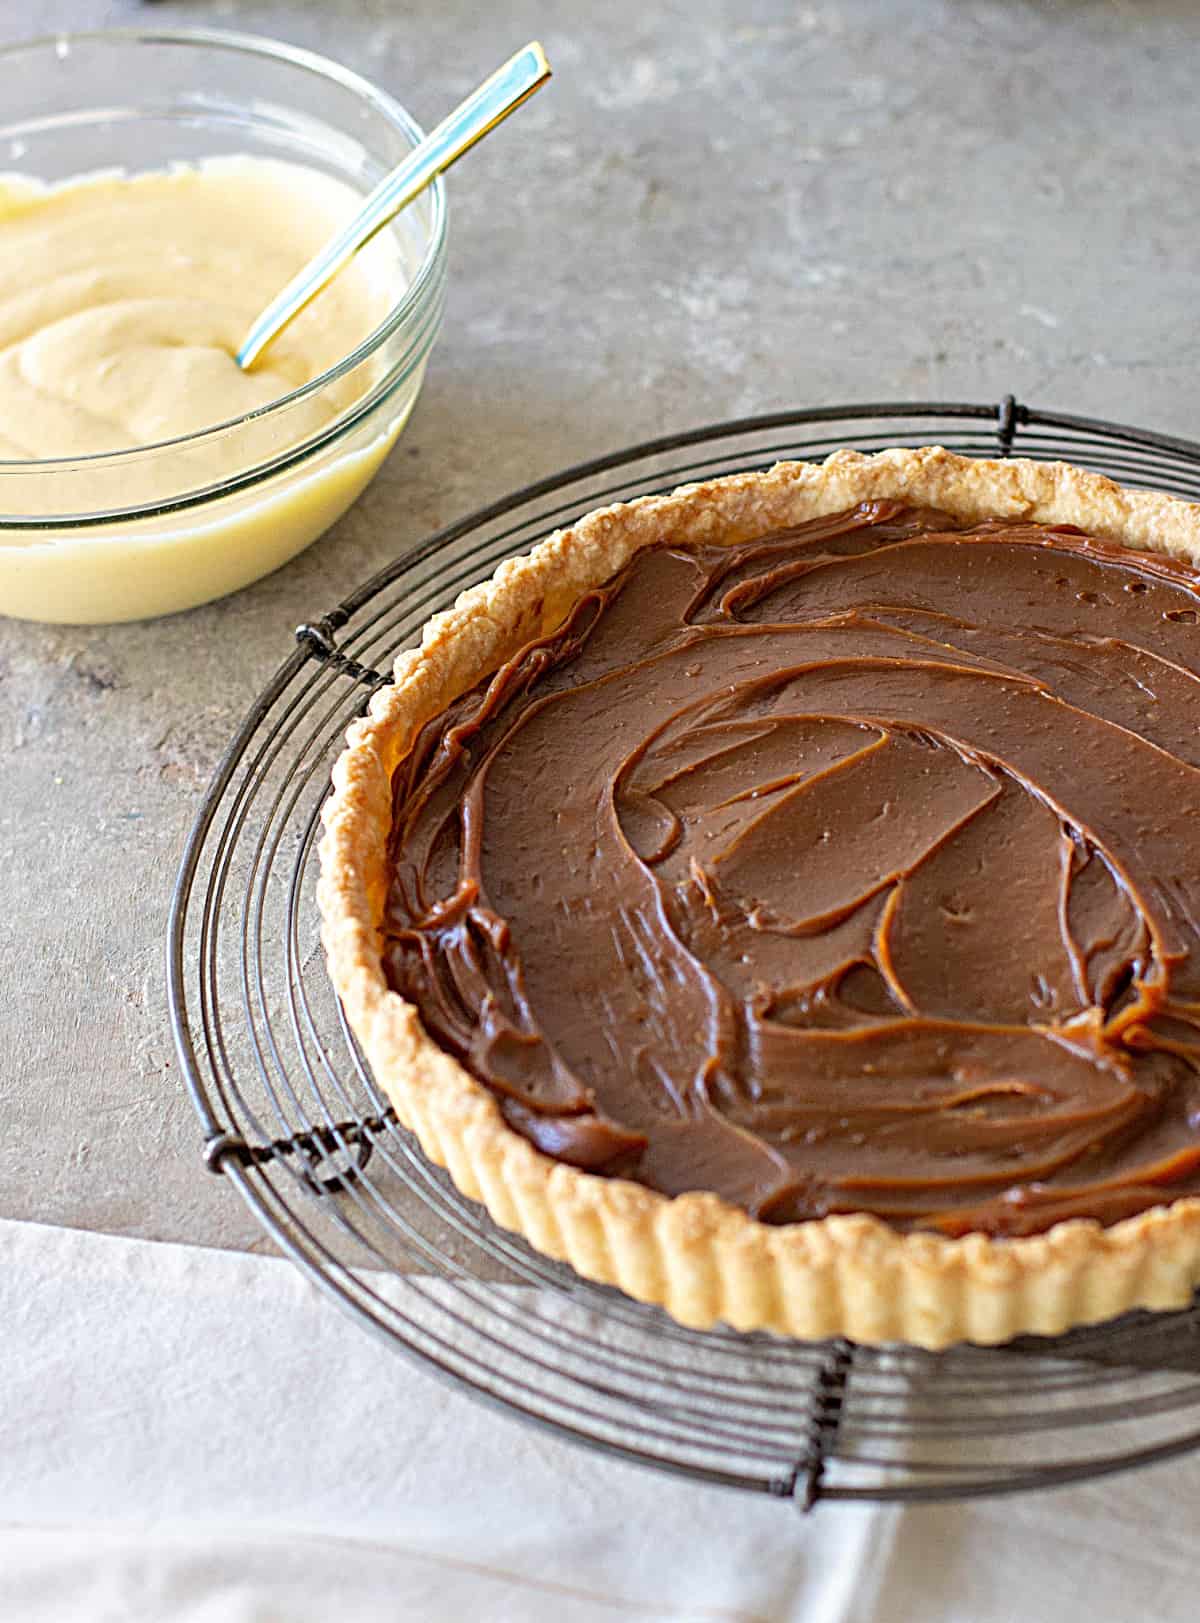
856	869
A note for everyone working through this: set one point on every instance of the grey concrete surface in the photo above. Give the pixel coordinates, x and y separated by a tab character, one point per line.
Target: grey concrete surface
716	208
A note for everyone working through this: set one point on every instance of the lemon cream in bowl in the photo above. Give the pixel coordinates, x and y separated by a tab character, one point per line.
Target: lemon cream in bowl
125	336
141	470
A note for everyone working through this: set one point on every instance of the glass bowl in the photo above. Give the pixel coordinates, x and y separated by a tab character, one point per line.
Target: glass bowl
73	549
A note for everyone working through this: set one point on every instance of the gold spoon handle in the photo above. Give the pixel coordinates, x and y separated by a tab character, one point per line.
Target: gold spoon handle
458	132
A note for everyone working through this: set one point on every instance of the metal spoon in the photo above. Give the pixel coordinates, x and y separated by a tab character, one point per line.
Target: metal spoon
470	121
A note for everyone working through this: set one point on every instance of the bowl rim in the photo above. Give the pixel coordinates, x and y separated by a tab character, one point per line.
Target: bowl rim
425	282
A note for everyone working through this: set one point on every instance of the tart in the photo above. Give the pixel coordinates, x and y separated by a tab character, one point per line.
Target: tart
780	899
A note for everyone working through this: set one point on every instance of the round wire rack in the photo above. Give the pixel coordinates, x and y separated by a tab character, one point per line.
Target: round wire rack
292	1117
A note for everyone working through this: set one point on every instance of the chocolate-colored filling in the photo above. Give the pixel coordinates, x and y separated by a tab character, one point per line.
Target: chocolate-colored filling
854	869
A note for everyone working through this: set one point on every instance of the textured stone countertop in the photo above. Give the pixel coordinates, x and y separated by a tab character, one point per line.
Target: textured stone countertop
717	208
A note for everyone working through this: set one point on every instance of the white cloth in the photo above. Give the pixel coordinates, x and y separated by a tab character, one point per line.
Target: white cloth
197	1436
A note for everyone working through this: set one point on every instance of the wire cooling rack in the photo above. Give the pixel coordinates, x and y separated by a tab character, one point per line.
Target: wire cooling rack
292	1117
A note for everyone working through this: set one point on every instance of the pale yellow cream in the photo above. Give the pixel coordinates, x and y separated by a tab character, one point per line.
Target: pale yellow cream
122	303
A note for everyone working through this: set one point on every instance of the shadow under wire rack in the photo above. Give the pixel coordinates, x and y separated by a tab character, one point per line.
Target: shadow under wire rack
292	1117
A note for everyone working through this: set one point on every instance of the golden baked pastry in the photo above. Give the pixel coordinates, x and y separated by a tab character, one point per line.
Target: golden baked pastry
781	898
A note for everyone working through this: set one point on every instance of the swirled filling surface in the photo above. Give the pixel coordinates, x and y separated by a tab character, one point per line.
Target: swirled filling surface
853	869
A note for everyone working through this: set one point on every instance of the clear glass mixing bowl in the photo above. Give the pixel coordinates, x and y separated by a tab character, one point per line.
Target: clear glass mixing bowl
72	547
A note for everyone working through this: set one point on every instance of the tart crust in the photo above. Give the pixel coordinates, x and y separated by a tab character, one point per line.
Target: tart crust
701	1259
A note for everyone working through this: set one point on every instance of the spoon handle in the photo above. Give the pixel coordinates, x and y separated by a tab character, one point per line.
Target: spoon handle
458	132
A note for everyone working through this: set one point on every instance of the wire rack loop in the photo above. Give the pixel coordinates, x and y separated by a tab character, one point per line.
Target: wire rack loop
317	637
